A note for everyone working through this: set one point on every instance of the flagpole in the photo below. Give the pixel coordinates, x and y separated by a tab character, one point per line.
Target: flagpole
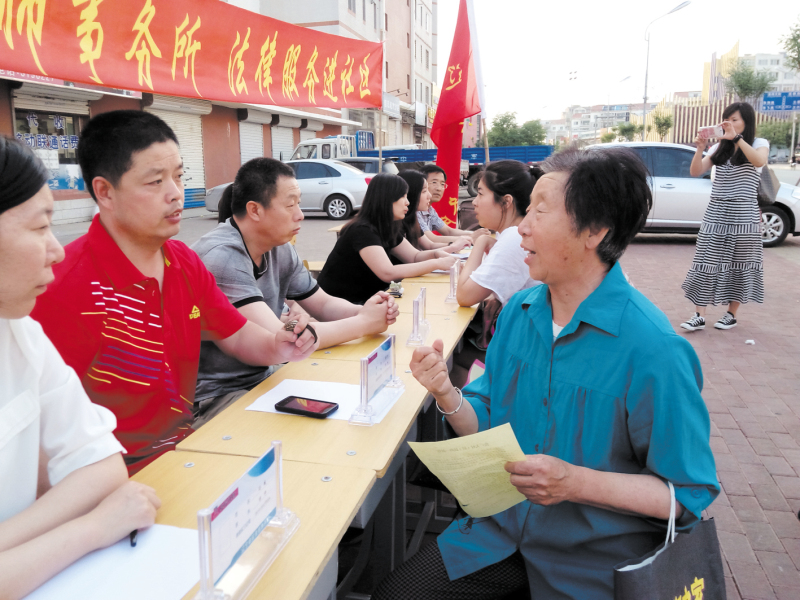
473	34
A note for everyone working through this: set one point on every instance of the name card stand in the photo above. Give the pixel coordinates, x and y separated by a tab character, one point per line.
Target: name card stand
380	385
454	271
244	531
420	328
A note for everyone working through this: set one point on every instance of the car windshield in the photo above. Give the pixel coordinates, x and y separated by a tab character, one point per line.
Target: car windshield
304	152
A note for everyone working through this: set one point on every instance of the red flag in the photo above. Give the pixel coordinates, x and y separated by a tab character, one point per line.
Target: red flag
459	100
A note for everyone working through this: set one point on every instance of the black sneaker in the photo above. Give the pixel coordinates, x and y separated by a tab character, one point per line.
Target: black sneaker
695	323
728	321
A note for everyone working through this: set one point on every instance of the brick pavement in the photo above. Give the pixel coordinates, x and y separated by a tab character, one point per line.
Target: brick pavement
753	396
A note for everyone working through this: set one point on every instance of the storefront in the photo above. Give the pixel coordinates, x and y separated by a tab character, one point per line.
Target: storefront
183	115
283	143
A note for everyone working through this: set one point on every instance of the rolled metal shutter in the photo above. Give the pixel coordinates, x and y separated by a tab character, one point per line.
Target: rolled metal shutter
307	135
282	143
392	137
189	129
251	140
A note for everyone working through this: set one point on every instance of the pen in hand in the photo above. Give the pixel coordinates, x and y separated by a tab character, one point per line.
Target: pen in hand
132	536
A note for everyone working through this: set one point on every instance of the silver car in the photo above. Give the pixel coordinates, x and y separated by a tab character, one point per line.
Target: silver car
680	200
328	186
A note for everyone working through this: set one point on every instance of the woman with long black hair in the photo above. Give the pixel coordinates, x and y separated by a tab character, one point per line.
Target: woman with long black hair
359	264
728	262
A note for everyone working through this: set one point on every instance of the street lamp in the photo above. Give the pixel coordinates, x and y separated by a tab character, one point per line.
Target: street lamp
647	61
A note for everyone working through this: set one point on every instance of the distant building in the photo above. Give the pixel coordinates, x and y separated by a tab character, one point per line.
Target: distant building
784	78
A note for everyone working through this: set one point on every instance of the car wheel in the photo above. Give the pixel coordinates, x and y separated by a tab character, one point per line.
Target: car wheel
472	184
337	207
774	226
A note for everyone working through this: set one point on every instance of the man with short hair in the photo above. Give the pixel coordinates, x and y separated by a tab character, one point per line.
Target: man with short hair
129	306
430	221
257	268
601	393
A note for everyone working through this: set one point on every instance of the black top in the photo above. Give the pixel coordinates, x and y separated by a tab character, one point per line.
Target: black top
345	274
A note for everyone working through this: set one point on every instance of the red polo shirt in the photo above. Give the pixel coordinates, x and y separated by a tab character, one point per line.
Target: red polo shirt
135	347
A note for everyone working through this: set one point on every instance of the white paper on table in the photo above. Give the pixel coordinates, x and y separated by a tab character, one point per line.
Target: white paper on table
164	565
346	395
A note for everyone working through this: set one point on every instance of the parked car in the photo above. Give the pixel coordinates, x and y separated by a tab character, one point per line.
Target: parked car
328	186
370	165
680	200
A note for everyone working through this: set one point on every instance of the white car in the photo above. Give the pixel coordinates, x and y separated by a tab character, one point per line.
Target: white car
680	200
328	186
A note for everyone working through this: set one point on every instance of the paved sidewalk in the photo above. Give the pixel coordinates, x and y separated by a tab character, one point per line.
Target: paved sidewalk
753	395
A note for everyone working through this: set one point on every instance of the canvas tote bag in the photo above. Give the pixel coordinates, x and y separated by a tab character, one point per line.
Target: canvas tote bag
687	566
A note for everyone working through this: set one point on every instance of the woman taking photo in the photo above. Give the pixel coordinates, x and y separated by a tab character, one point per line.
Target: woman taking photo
728	262
43	408
419	199
359	264
497	265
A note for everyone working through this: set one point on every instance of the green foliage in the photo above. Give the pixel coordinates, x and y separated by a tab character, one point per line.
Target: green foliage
628	131
746	83
608	137
506	132
532	133
777	133
791	44
663	125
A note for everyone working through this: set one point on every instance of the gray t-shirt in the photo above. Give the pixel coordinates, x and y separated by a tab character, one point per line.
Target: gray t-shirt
280	276
429	220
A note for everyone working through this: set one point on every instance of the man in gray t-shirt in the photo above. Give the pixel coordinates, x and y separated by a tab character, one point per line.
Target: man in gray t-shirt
282	276
257	268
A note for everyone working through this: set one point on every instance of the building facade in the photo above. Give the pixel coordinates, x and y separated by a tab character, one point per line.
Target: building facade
784	78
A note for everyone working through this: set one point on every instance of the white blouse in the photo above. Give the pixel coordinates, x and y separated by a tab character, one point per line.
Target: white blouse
503	270
42	404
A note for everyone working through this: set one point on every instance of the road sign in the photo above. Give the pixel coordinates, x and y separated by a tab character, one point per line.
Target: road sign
781	101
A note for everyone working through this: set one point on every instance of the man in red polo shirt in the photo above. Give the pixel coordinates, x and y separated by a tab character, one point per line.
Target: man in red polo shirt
129	306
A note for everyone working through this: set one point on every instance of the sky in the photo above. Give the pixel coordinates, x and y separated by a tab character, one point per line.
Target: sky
529	47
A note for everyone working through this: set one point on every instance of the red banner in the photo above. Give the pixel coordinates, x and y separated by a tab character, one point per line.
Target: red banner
197	49
459	100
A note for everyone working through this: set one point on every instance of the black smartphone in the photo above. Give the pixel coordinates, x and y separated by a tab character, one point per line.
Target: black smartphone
296	405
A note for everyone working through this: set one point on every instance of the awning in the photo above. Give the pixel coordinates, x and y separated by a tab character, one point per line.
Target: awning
291	112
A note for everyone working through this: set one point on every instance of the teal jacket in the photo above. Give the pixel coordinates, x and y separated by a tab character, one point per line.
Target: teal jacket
617	391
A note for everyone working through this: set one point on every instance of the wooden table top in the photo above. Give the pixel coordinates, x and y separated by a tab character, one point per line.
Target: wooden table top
435	301
448	328
322	441
325	510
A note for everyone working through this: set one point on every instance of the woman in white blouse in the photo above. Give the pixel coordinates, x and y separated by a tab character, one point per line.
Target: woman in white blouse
497	265
43	408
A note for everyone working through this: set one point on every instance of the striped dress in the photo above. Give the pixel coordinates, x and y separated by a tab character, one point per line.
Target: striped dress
728	262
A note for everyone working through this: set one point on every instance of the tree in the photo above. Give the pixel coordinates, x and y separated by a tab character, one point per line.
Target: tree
627	131
746	83
532	133
791	44
663	125
504	130
777	133
608	137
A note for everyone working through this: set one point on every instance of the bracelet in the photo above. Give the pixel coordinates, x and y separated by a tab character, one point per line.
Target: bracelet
458	408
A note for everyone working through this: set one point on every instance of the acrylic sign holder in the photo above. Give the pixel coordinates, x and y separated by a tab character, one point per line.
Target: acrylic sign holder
263	544
380	385
420	328
454	271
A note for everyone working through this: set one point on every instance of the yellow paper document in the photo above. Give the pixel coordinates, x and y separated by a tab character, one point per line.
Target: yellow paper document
472	469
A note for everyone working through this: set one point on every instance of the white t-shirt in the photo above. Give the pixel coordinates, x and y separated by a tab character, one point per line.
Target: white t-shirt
42	404
503	270
757	143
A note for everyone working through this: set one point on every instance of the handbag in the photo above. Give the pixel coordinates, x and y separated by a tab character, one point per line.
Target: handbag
484	323
768	187
687	566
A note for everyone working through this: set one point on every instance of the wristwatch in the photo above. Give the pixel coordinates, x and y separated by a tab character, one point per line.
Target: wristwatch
736	138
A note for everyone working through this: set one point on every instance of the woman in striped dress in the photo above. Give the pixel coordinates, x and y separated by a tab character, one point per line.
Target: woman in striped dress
728	263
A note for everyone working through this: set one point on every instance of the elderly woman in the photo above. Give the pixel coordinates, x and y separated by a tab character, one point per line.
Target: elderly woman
43	408
601	393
